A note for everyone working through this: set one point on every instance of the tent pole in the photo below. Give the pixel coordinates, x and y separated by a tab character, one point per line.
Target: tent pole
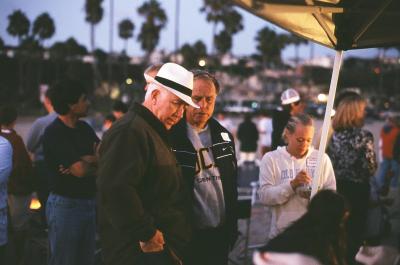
327	120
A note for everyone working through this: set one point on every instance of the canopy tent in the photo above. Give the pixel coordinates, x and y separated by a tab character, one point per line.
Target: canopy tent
337	24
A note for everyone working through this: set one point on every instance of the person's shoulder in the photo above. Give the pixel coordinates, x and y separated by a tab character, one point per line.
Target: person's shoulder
271	155
217	124
82	124
4	142
365	133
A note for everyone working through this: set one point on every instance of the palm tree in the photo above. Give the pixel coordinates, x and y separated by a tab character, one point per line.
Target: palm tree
214	10
192	54
126	28
270	45
18	25
232	21
94	14
43	27
155	21
296	41
223	42
221	11
1	44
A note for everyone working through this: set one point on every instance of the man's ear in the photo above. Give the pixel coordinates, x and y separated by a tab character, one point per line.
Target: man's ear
155	95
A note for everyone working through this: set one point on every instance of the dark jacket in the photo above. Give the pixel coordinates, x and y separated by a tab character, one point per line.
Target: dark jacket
140	188
21	179
225	159
280	118
248	136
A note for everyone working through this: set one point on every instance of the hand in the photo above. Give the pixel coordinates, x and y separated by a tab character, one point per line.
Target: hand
155	244
301	179
63	170
379	255
96	148
89	159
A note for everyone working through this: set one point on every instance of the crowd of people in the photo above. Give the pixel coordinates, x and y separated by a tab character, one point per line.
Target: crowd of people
160	186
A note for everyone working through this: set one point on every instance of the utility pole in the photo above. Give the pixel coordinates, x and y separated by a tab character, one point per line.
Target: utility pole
111	42
177	13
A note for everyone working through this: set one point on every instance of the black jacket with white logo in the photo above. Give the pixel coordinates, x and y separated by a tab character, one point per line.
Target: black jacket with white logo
224	155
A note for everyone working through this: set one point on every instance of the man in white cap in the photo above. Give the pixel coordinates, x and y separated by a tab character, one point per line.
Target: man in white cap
142	198
291	105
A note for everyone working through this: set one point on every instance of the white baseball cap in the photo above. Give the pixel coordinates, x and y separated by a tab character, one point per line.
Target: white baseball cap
289	96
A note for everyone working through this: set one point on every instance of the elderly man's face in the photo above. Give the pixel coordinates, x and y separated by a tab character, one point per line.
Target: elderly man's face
168	107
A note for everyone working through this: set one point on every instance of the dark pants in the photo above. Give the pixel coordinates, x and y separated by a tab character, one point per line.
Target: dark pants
208	246
357	195
3	254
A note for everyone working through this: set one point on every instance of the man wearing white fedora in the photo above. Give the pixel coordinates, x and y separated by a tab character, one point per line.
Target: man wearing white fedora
142	199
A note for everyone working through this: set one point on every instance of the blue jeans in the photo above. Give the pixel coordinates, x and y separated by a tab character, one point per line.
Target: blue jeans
384	167
72	230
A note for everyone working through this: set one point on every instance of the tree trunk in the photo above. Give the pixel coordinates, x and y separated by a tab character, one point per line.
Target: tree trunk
214	32
94	64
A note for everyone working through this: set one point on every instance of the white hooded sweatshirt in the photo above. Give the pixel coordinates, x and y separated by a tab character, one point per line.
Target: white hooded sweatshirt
277	169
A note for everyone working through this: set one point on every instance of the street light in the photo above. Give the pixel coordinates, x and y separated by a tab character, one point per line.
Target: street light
322	97
129	81
202	62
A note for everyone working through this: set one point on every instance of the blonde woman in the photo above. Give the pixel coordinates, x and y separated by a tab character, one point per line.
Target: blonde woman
285	170
351	150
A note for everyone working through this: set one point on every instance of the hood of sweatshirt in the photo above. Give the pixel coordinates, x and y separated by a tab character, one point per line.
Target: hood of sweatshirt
286	154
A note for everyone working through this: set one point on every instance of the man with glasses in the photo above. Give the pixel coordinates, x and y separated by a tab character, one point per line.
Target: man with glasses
206	153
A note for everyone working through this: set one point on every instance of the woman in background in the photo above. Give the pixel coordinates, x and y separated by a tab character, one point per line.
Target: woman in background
351	150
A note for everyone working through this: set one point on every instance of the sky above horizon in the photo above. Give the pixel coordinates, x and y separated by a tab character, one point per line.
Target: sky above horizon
69	19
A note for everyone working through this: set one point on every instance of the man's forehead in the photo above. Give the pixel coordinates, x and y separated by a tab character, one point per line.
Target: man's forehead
173	97
201	92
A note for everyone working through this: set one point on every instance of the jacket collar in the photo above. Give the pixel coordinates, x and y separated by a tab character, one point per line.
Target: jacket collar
180	129
152	120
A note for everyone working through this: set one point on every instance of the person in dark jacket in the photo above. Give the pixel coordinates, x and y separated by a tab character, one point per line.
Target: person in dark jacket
206	153
291	105
20	183
319	233
248	136
143	202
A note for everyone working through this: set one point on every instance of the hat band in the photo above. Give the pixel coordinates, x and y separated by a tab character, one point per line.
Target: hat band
174	85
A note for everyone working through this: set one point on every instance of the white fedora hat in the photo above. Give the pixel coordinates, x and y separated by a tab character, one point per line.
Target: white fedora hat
177	80
148	78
